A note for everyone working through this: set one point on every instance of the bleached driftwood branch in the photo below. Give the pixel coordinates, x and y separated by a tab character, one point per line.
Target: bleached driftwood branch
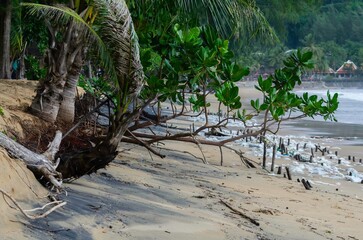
59	204
40	164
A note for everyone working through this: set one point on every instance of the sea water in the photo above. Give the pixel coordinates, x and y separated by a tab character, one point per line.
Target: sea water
349	116
350	104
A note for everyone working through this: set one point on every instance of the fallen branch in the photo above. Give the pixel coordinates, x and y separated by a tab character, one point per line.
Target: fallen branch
142	143
38	163
30	210
240	213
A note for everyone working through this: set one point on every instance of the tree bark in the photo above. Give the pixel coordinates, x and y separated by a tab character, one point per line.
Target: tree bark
67	107
5	39
46	103
39	164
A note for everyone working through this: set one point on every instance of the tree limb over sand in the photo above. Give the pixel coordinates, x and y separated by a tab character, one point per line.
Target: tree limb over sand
39	164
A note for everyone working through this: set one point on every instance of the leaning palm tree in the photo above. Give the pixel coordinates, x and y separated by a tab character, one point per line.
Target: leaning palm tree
65	59
118	34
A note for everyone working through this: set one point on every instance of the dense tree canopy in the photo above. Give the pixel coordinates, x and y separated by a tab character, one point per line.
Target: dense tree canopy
334	28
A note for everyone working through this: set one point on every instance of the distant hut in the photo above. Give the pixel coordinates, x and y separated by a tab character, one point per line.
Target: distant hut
346	70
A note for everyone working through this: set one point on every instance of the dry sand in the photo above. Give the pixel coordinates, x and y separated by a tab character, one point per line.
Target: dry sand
140	196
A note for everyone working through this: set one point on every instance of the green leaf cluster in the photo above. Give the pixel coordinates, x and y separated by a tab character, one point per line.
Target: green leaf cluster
279	98
193	61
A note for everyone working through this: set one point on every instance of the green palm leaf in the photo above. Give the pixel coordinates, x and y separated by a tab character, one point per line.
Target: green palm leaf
63	14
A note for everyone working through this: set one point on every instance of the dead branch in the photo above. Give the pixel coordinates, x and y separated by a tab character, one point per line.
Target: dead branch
38	163
60	204
246	161
53	147
142	143
240	213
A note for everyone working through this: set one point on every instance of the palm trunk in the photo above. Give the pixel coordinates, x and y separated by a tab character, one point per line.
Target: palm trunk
66	112
46	103
5	53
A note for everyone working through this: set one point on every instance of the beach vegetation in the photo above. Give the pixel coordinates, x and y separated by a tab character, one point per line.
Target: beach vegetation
170	64
104	32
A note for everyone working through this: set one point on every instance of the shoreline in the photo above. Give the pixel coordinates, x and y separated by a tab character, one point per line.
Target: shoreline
140	196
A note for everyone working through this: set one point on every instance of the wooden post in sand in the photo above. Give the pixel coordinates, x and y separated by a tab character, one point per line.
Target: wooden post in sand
279	170
264	154
288	173
336	153
273	158
312	152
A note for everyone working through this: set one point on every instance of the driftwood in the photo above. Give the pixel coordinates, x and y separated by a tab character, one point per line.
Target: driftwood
288	173
240	213
40	164
24	212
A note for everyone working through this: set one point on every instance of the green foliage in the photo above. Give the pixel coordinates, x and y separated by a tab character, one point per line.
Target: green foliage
96	86
197	61
33	69
2	112
194	63
278	96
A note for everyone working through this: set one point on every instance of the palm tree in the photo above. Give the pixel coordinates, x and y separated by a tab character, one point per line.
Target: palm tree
118	34
65	60
65	52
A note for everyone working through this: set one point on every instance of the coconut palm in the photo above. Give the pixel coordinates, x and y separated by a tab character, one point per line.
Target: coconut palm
65	59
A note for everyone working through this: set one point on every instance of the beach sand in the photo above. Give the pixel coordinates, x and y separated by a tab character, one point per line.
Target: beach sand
141	196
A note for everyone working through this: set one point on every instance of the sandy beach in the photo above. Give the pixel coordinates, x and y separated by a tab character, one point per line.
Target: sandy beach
141	196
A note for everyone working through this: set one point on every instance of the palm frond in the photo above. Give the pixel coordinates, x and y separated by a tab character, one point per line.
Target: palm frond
116	29
63	14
